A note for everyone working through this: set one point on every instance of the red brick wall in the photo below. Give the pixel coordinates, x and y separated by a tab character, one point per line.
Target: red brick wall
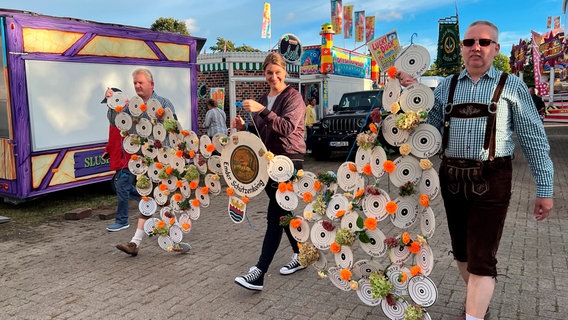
244	90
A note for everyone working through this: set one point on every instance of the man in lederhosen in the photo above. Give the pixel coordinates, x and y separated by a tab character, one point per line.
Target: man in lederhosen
476	112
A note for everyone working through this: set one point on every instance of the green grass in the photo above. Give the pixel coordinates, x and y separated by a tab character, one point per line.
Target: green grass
52	207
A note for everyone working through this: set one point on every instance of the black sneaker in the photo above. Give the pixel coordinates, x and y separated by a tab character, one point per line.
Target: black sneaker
253	280
292	266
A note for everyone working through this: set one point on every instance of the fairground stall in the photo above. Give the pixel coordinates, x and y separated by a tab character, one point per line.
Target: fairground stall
55	70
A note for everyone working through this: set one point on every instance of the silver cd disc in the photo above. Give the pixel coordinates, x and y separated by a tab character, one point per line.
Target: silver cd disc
344	258
363	268
396	311
376	246
378	157
391	93
320	237
334	276
423	291
213	183
280	168
429	183
393	272
415	60
128	146
417	97
349	221
425	141
347	179
123	121
287	200
393	135
118	99
427	222
144	127
135	106
338	202
137	166
364	292
374	205
147	207
425	259
204	142
305	184
407	169
406	213
302	233
150	224
159	132
152	106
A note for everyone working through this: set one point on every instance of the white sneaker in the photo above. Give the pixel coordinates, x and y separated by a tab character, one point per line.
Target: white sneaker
292	266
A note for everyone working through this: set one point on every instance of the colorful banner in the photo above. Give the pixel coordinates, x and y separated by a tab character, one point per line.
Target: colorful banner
351	64
385	49
448	45
218	94
369	28
310	61
518	56
348	21
266	24
556	22
542	87
337	16
359	26
549	22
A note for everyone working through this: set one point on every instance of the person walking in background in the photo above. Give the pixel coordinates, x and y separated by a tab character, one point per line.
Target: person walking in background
123	179
215	119
309	122
478	111
144	85
279	117
538	103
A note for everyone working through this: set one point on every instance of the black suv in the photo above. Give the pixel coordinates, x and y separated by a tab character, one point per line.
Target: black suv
338	131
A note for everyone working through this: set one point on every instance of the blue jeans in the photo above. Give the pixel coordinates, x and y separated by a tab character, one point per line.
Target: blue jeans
125	189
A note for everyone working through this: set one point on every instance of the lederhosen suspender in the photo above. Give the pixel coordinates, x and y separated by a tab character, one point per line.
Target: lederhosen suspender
474	110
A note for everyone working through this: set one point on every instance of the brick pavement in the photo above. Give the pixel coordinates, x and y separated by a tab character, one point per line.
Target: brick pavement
71	270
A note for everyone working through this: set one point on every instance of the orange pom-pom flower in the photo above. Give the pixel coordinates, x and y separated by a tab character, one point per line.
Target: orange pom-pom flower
371	223
389	166
295	223
334	247
317	185
345	274
391	207
391	72
230	191
307	197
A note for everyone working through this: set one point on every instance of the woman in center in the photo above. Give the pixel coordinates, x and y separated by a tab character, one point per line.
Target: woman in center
278	117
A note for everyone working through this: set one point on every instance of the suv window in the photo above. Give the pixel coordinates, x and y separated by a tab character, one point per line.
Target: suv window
359	101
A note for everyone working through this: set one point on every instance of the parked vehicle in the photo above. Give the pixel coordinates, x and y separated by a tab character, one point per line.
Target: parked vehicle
338	131
53	74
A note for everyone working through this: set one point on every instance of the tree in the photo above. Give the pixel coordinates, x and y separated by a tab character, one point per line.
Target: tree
170	25
227	45
501	62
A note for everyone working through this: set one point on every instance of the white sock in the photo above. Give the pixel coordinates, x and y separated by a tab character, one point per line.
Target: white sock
468	317
138	237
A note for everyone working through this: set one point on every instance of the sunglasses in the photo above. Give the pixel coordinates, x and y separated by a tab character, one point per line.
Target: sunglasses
482	42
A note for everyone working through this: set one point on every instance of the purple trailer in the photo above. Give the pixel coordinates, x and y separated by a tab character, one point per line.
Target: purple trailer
54	73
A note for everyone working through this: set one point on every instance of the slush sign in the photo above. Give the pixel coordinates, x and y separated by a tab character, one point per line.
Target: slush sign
90	162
